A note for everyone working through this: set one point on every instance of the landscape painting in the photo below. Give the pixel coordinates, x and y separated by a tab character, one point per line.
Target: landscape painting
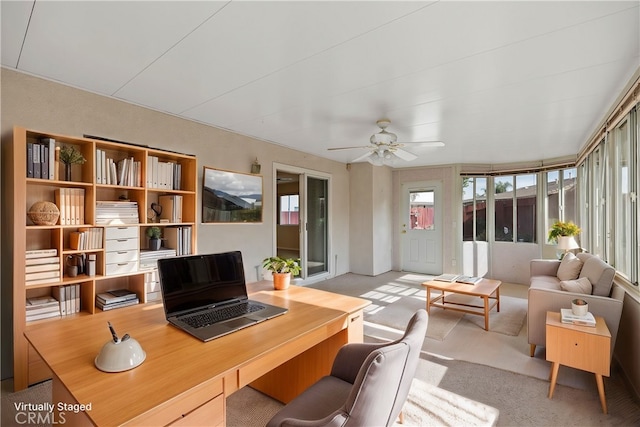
231	197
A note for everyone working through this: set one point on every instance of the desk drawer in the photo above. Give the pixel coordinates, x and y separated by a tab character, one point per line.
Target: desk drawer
205	398
209	414
121	268
112	233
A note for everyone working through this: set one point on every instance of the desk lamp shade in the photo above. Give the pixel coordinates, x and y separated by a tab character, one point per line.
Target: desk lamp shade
567	243
120	355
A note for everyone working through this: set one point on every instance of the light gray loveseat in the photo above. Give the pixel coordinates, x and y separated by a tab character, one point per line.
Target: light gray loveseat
545	294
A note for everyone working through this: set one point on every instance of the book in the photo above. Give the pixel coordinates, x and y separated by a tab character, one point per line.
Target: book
42	275
30	160
43	267
49	159
105	307
567	316
469	280
40	253
446	277
115	296
45	260
41	316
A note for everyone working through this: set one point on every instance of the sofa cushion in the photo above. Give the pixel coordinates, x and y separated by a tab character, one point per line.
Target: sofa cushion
600	274
545	282
570	267
580	286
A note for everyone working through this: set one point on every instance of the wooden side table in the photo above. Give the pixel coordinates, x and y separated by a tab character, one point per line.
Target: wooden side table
580	347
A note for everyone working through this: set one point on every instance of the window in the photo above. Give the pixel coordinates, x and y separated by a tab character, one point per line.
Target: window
422	210
515	201
561	196
474	209
289	210
608	183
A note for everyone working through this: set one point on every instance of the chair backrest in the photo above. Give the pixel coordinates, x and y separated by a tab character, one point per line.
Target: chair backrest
384	380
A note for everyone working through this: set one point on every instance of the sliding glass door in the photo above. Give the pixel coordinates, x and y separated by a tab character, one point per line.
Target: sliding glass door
316	226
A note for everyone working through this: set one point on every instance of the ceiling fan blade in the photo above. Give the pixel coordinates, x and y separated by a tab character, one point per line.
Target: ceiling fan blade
422	144
349	148
364	156
405	155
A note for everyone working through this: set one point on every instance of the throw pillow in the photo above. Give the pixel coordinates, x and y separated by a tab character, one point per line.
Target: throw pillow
579	286
570	267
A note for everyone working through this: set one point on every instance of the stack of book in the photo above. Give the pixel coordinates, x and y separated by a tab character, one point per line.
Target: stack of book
116	299
116	212
178	238
42	308
149	259
125	172
70	202
42	266
86	238
69	298
568	317
41	159
164	175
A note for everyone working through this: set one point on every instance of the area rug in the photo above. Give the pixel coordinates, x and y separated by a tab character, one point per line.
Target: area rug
428	405
508	321
396	315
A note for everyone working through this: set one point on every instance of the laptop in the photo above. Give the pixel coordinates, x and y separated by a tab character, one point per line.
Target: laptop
206	295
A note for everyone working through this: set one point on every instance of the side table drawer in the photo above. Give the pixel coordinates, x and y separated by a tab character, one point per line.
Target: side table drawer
579	350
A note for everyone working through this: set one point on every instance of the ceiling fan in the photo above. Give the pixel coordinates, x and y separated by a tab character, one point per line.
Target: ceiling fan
385	148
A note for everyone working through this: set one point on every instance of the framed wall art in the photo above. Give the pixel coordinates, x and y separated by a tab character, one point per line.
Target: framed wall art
231	197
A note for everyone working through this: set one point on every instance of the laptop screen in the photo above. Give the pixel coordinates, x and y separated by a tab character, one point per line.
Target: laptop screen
198	281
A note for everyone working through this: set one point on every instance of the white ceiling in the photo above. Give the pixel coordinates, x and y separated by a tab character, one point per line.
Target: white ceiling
498	82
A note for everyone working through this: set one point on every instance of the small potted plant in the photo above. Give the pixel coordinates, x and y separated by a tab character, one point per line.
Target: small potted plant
69	155
154	233
282	269
563	229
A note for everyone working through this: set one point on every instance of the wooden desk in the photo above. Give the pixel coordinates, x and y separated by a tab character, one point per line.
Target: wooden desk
580	347
184	381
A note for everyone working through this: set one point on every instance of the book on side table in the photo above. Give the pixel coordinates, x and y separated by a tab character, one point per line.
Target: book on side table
567	316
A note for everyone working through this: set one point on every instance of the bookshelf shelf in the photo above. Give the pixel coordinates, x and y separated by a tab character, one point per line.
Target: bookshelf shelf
89	180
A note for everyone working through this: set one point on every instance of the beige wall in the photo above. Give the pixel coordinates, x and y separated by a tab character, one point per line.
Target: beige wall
49	107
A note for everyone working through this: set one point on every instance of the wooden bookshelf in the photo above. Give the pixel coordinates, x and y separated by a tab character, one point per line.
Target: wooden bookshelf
89	180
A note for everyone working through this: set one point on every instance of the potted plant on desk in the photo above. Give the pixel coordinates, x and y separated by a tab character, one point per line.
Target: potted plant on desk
282	269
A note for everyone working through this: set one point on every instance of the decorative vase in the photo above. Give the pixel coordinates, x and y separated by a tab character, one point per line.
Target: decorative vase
154	244
67	171
281	281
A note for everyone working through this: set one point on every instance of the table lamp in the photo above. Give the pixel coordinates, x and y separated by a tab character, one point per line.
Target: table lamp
567	243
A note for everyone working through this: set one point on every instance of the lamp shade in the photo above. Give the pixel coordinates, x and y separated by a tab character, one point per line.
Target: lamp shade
567	243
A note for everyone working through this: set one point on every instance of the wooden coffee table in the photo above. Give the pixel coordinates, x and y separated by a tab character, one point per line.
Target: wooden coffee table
487	289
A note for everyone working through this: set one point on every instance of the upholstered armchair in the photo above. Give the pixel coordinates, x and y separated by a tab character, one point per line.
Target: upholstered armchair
368	384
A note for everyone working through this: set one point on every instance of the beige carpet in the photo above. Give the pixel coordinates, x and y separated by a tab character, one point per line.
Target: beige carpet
397	314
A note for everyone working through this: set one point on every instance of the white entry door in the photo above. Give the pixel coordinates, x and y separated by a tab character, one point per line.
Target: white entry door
421	227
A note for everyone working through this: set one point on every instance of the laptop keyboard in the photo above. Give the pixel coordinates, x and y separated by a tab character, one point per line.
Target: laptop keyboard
201	320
